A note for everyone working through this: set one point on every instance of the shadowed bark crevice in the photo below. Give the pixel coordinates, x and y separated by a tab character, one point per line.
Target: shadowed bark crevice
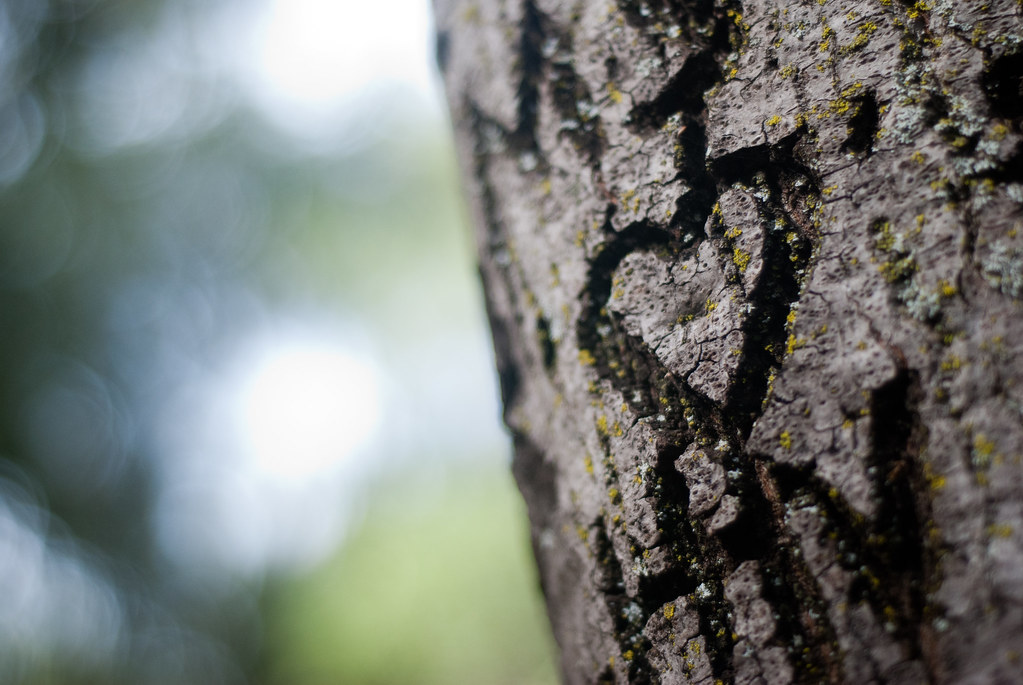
863	125
1003	84
531	67
505	347
683	93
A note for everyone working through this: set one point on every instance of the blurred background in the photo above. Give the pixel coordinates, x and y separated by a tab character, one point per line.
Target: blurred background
248	419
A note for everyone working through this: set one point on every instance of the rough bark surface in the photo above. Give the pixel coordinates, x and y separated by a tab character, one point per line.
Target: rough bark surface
754	271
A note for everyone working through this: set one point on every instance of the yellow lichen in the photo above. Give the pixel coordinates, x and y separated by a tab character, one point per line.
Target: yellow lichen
917	8
952	363
999	530
826	33
863	33
614	93
983	447
742	259
794	343
785	440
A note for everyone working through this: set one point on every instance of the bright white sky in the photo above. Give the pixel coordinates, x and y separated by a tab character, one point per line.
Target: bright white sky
310	62
303	405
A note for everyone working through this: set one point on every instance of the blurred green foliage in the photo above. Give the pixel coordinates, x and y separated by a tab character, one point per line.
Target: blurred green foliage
435	586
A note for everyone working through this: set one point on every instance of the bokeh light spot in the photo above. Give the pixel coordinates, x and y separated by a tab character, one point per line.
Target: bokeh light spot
315	61
304	407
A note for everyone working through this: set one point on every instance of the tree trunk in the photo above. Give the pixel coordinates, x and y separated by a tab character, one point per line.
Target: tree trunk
754	272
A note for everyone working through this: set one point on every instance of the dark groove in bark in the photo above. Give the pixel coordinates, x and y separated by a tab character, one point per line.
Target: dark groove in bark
504	339
896	547
640	376
507	370
684	93
547	349
786	264
1003	85
532	63
693	208
568	95
627	619
892	544
442	50
862	125
802	611
536	475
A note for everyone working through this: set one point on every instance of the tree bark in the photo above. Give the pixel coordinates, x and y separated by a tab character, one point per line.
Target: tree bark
754	273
